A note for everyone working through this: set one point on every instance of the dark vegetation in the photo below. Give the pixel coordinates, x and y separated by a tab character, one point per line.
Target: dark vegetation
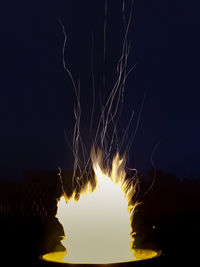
167	218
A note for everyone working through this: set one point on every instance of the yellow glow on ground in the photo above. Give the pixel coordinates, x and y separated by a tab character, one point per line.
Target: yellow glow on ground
138	254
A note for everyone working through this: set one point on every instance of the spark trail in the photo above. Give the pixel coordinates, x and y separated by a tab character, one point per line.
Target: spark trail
97	218
106	133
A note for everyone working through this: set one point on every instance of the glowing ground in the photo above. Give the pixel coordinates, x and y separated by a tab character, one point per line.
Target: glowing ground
138	255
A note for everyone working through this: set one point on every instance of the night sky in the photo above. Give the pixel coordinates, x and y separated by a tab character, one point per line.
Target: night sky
37	97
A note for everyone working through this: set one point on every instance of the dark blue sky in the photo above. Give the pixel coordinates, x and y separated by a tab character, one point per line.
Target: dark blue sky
37	98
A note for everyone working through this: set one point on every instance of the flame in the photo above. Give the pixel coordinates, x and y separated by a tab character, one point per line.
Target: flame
98	225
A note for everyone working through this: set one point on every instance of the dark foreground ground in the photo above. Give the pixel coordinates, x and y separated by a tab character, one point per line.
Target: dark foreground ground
168	219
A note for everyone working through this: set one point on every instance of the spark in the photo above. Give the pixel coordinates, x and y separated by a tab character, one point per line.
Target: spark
111	109
111	184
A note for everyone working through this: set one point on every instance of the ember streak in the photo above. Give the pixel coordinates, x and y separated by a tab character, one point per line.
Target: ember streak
97	218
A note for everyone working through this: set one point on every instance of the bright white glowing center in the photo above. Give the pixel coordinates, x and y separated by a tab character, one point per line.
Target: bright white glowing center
98	226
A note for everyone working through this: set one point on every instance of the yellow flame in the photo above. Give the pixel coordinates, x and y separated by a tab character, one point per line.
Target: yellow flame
98	225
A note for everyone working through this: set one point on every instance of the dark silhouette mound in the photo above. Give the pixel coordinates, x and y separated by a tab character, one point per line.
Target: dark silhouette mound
167	218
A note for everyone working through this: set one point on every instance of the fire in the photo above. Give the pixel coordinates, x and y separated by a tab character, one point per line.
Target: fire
98	225
97	218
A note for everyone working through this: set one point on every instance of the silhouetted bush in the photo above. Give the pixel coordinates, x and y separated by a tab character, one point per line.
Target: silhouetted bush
167	217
